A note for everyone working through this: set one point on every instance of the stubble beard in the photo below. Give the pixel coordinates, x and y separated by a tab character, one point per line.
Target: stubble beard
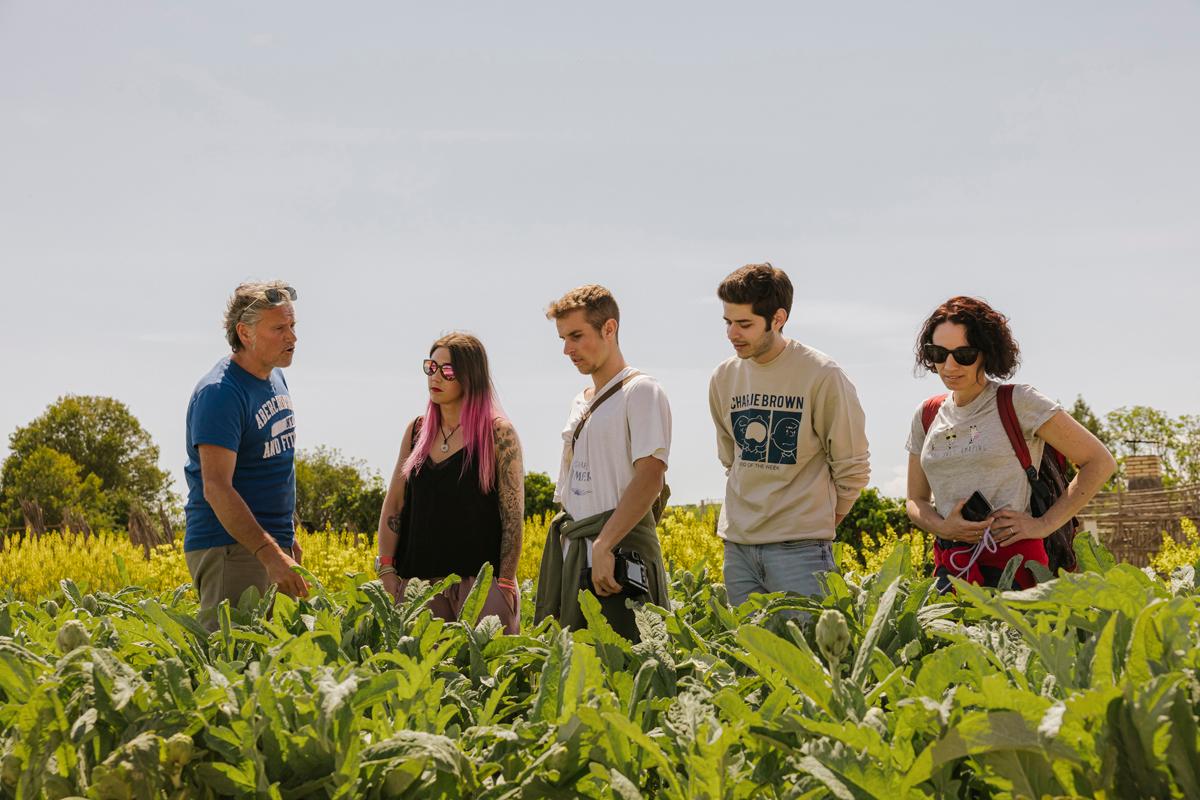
764	346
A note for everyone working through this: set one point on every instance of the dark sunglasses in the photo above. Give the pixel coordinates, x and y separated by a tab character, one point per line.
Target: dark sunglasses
273	296
429	366
963	356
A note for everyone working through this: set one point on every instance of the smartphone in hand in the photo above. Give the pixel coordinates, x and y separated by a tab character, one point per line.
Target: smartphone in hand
977	508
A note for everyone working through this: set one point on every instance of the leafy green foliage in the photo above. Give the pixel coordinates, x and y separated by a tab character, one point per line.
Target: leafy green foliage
874	514
1082	686
1141	430
103	438
338	493
53	480
539	495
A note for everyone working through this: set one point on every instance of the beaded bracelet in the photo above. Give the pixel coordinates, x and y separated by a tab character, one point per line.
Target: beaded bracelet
506	583
385	571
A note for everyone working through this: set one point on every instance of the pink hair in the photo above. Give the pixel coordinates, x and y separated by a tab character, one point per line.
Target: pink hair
479	408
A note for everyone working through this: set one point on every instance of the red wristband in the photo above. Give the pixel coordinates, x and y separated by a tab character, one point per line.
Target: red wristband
386	561
506	583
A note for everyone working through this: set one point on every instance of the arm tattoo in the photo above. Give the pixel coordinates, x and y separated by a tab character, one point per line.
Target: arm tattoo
510	484
393	523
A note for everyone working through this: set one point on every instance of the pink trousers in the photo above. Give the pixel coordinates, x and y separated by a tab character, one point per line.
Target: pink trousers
448	604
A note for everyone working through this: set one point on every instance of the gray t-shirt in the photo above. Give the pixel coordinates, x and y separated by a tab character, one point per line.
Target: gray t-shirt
967	449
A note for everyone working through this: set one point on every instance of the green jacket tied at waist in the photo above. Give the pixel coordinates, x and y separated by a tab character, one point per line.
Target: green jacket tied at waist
558	581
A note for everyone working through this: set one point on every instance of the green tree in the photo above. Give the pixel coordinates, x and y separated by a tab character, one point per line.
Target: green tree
1188	448
1141	430
103	438
52	479
873	513
539	495
333	491
1084	415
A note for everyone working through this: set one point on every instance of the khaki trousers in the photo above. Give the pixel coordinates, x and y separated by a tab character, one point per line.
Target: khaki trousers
223	573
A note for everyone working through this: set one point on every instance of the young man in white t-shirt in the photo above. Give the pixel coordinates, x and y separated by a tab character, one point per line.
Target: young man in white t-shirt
792	437
612	467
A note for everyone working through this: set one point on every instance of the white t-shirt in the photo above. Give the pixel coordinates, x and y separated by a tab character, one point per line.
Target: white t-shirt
633	423
967	450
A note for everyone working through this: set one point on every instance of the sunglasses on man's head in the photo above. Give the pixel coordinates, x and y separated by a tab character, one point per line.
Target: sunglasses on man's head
273	296
963	356
429	366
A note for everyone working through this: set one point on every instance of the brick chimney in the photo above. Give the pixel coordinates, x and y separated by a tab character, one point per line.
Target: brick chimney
1143	472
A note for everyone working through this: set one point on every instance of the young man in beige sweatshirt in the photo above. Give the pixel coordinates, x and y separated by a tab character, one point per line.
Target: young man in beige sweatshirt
791	434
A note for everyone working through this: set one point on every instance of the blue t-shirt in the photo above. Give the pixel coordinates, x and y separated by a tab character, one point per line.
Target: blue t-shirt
253	417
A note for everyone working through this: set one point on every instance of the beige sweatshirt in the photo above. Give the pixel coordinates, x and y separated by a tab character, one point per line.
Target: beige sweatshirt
792	436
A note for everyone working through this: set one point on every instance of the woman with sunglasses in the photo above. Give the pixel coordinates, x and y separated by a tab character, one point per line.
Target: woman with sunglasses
958	446
457	495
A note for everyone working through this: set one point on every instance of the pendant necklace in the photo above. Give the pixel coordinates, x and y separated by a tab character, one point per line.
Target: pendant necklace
446	437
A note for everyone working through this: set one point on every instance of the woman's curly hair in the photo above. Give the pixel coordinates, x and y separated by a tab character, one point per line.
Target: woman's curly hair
987	329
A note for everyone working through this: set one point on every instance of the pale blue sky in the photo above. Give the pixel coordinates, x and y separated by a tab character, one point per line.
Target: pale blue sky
415	168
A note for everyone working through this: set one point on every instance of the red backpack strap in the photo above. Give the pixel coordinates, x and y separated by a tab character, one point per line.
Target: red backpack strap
1012	427
930	408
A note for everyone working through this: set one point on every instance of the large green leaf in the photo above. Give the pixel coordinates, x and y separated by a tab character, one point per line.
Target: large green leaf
478	595
980	733
882	617
800	669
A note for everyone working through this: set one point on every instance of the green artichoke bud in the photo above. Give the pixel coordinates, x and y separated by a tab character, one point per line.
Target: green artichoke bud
89	603
51	608
179	749
833	637
72	635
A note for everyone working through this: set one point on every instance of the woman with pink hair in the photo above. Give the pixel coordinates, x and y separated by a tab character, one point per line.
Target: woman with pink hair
457	496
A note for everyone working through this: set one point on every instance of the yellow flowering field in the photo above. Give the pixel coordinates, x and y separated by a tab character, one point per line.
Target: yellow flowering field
31	567
1173	554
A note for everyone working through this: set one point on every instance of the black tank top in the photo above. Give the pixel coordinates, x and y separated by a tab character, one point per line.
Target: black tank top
448	525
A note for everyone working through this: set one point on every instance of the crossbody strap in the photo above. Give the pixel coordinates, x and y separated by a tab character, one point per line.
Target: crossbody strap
598	402
930	408
1012	427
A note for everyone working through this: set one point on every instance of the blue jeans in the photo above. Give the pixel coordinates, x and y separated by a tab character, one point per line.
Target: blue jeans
778	567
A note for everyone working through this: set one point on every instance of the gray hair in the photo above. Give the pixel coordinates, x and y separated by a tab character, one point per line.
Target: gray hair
246	304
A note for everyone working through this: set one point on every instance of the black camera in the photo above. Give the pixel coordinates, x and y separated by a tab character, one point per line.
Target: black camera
628	570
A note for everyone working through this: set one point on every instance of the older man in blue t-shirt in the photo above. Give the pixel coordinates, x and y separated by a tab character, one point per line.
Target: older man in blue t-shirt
241	474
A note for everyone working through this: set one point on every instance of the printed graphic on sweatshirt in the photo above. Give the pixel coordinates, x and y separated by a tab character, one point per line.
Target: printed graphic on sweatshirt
769	437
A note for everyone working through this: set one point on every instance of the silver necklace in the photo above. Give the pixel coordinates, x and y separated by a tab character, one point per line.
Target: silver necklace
446	437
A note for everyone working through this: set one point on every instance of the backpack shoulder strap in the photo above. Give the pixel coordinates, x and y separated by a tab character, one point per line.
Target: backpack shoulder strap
598	402
1012	427
930	408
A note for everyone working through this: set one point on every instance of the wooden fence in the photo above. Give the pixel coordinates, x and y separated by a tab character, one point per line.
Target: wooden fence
1131	523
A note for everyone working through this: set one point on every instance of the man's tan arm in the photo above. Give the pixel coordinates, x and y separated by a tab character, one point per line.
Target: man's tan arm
216	473
639	495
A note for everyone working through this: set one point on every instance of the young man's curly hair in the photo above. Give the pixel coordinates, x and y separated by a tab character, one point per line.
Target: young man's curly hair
761	286
987	329
596	302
